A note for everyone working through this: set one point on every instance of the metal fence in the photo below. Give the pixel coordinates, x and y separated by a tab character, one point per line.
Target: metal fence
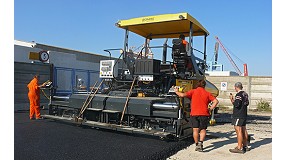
69	80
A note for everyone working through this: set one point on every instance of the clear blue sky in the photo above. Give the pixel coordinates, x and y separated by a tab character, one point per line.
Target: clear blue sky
243	26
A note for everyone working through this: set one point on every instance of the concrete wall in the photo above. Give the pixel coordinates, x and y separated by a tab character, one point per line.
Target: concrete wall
21	52
257	87
61	57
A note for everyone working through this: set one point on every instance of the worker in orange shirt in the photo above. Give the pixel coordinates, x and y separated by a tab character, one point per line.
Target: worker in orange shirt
185	43
34	97
200	114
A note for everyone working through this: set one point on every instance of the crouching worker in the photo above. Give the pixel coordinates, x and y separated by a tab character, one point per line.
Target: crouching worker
200	114
34	97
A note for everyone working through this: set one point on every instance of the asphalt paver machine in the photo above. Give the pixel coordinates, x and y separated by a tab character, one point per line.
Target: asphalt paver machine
135	91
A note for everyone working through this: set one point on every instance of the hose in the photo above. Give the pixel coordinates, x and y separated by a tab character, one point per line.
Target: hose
45	94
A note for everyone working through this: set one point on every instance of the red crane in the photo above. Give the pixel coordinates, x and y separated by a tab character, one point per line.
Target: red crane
231	60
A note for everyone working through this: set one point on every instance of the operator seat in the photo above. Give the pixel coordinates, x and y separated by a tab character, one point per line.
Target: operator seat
179	56
178	46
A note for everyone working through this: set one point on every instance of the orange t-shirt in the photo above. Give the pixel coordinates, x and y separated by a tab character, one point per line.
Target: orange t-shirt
200	99
184	42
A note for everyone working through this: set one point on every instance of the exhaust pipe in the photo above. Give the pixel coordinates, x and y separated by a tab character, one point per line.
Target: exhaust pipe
165	106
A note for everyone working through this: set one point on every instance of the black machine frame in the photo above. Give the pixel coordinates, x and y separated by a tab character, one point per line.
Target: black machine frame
140	99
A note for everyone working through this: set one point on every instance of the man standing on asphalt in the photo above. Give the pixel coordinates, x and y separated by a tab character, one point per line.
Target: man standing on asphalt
239	117
34	97
200	113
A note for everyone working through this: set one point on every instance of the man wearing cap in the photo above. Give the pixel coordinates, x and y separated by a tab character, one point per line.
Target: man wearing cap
239	118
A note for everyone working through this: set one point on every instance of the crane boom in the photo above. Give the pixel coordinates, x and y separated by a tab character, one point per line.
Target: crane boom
228	55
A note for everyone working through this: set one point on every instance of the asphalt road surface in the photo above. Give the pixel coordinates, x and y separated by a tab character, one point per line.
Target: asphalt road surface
51	140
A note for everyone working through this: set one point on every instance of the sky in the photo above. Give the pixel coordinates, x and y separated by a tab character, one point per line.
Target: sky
243	26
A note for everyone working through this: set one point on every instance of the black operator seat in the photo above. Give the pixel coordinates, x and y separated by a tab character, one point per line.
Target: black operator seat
178	47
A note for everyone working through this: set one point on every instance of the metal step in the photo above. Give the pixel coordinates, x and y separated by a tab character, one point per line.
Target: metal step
60	103
115	127
93	109
110	111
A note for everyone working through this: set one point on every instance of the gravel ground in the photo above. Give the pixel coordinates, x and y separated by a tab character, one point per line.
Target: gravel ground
222	137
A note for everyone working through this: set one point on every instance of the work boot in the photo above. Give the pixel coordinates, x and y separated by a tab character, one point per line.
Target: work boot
236	150
39	118
199	147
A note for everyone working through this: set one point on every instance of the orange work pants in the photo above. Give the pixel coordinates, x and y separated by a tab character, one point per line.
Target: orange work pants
34	106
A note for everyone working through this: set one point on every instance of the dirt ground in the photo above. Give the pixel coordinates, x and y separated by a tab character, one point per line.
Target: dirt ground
222	137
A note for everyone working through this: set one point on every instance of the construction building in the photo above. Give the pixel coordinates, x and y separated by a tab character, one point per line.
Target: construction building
71	70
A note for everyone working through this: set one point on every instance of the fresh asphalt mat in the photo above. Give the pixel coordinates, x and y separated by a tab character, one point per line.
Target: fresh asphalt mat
47	139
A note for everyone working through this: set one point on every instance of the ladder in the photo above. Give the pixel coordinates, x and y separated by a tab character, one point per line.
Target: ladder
87	101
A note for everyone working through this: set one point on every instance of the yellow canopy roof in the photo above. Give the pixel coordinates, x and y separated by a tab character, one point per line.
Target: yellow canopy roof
163	26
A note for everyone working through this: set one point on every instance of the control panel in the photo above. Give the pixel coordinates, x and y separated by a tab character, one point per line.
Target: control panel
108	69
